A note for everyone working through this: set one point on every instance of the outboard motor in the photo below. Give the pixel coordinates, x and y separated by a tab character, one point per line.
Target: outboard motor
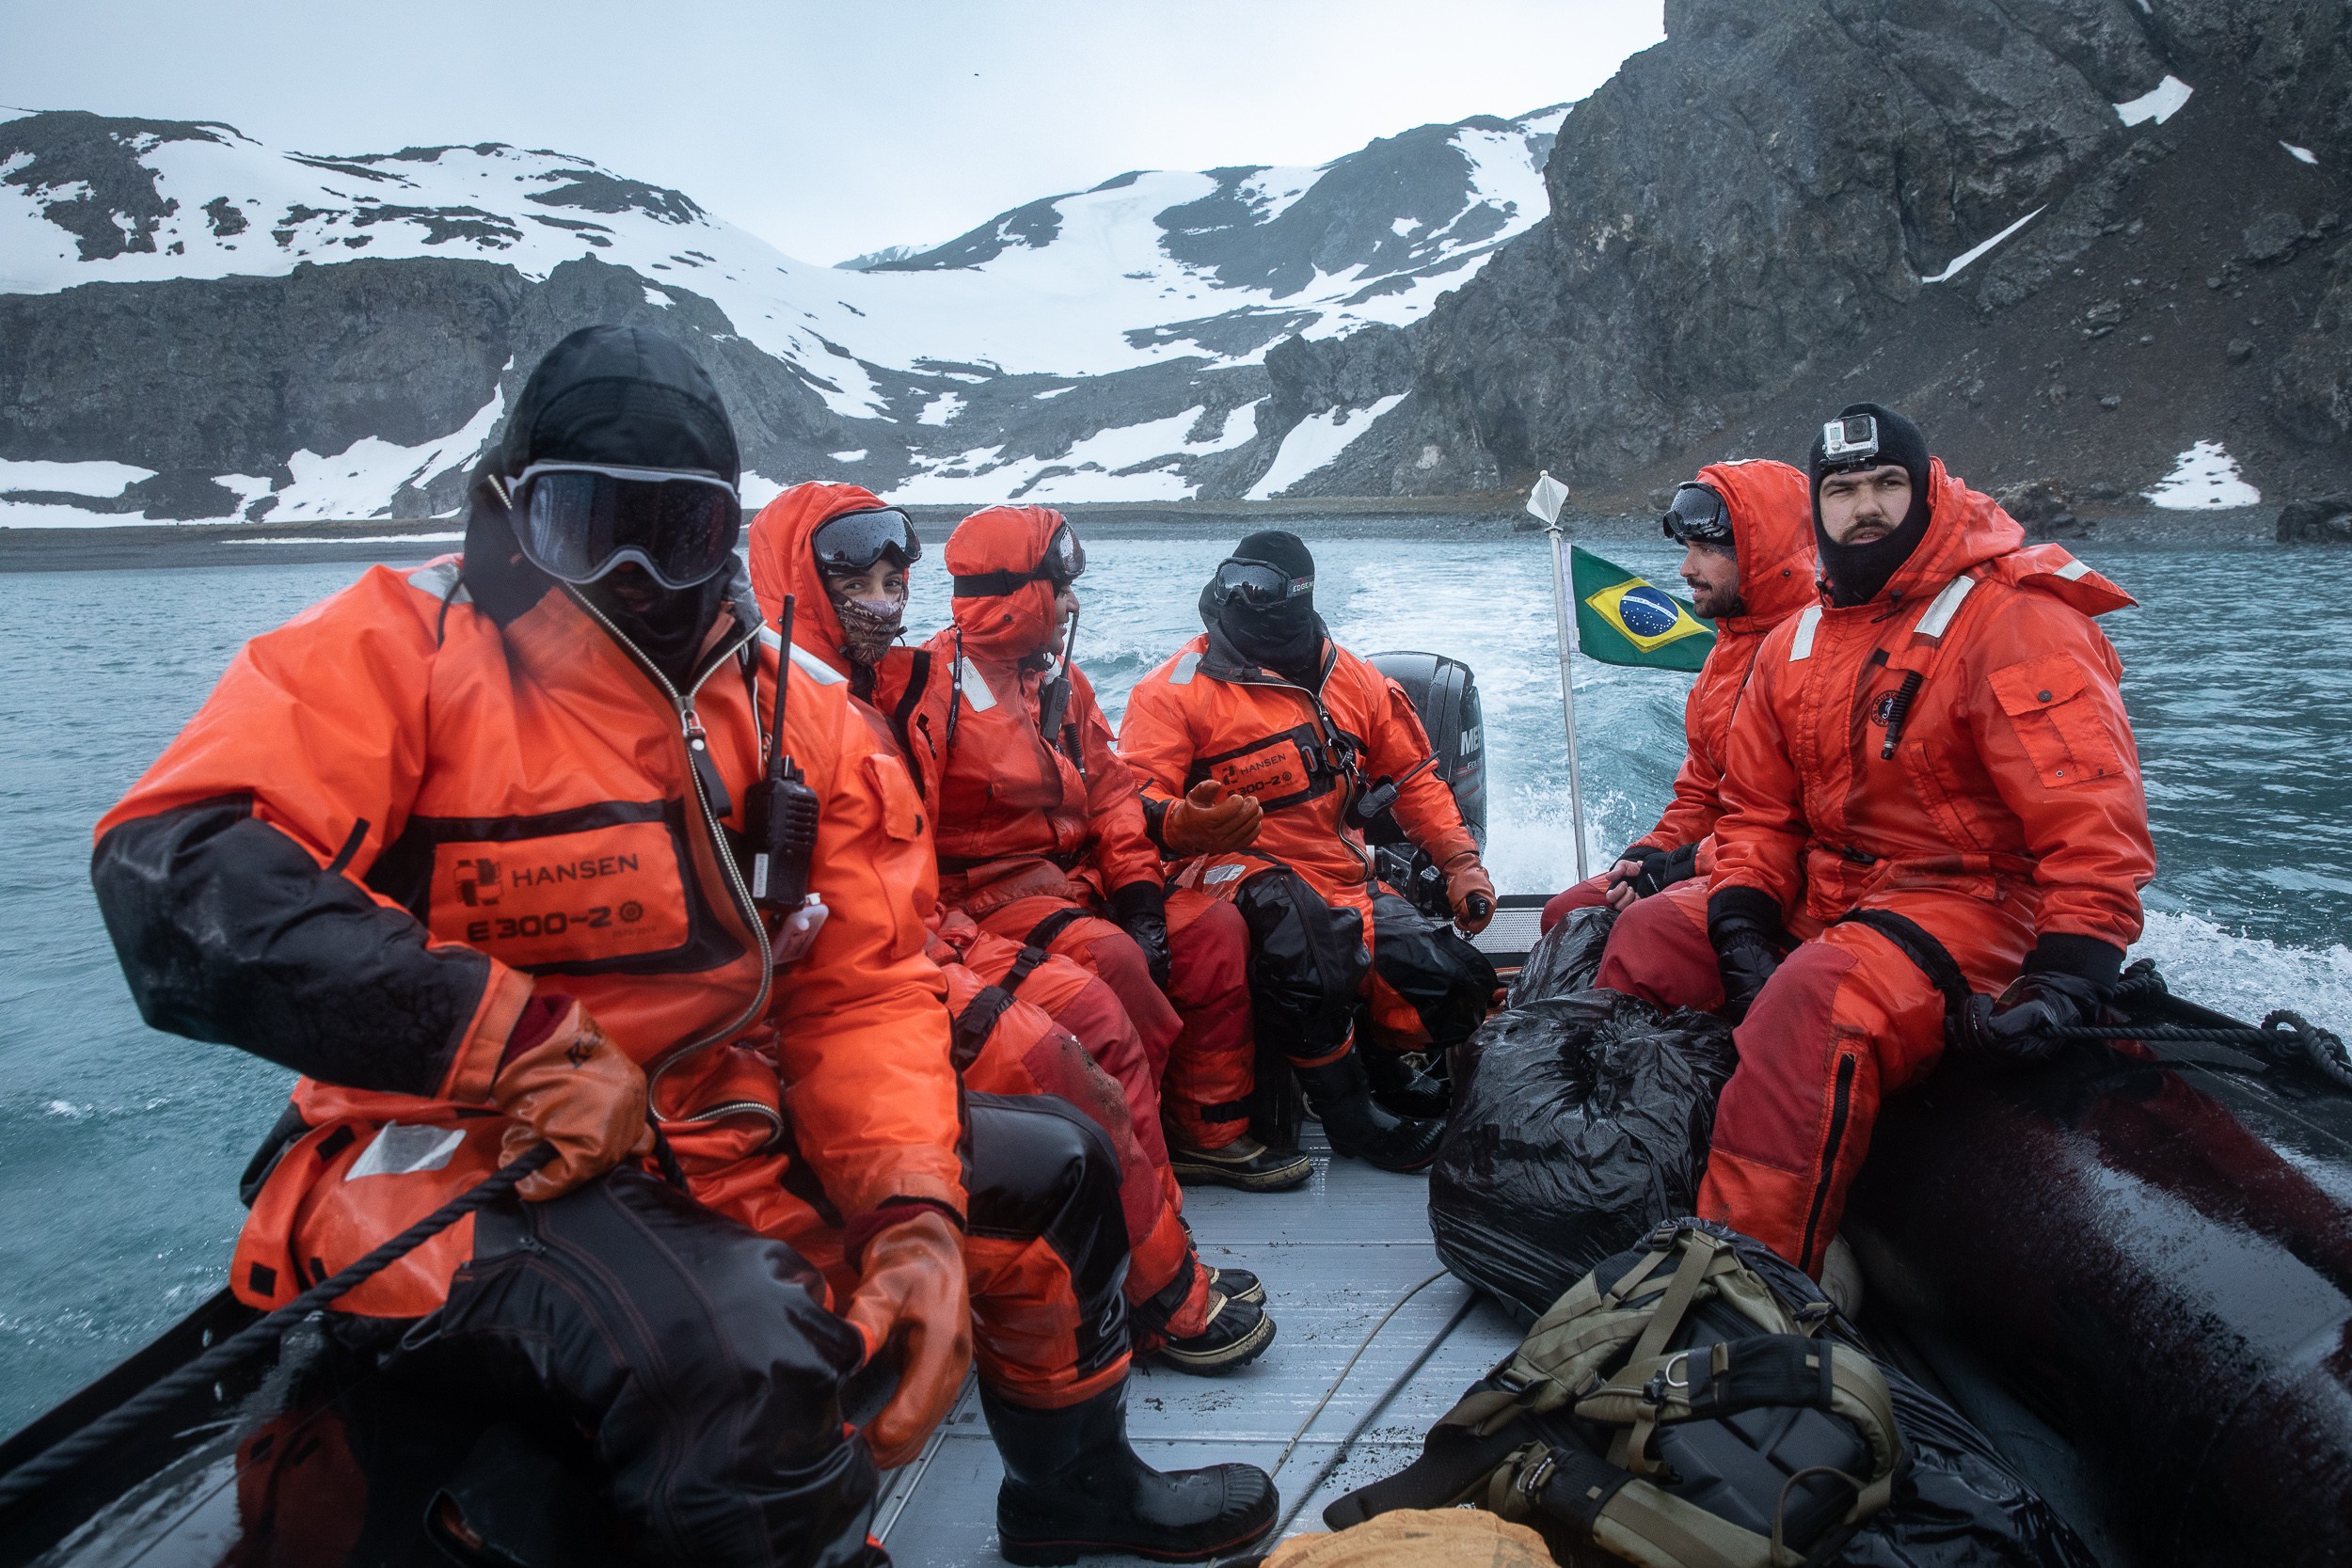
1444	692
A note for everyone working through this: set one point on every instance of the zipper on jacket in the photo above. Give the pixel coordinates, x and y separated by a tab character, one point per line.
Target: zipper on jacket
689	734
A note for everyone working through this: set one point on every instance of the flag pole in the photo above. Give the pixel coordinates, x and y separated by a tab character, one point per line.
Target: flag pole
1545	502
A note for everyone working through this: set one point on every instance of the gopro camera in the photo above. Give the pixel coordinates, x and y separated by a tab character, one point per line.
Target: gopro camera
1852	439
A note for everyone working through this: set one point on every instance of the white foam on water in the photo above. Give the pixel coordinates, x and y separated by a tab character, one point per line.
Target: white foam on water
2248	976
2300	154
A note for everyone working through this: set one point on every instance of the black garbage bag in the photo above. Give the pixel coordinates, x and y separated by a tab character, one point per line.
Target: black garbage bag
1583	1122
1566	959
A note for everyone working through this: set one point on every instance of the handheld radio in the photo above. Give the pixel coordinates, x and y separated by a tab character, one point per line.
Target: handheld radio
780	811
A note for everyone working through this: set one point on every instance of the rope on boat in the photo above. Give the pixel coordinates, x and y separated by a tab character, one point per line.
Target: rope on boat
1363	1423
161	1395
2282	1036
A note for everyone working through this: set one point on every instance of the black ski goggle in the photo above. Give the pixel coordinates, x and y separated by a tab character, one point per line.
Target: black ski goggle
855	540
1698	516
577	521
1065	559
1256	584
1063	562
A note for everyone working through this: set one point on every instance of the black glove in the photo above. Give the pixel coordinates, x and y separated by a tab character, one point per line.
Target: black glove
1140	909
1744	926
2067	980
1660	868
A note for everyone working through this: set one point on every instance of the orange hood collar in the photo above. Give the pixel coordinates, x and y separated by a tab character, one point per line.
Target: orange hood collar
1005	539
1771	518
783	563
1968	530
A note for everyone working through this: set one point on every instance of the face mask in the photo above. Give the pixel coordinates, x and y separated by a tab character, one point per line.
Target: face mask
1857	573
1283	638
869	626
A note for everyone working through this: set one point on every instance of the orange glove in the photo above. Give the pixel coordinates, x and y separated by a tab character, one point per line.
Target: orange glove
913	1287
1471	891
1209	821
565	1082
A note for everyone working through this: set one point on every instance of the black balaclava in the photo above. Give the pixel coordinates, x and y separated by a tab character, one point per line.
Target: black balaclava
634	399
1857	573
1286	637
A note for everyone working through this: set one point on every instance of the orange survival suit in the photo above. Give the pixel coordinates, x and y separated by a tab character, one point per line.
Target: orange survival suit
440	789
1028	1021
1926	788
1771	514
1306	886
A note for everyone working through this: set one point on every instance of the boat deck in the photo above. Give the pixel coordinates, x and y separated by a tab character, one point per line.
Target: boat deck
1337	1256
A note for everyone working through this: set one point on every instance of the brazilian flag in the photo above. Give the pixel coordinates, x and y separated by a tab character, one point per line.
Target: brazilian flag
1623	619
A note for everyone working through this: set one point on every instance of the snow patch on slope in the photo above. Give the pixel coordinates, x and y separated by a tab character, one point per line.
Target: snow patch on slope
2159	103
101	480
362	480
2203	478
1953	268
1314	442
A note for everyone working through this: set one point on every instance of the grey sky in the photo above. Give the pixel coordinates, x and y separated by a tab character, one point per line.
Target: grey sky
830	128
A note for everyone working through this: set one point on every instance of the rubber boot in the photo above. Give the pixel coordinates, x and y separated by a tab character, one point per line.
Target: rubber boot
1341	1095
1074	1485
1402	1085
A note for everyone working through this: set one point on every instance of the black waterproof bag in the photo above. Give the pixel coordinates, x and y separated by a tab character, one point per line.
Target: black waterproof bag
1582	1122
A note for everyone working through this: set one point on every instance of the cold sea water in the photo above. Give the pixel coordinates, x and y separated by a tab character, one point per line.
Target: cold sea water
120	1147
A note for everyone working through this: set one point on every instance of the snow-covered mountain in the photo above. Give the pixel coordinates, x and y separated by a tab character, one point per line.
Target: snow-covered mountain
195	325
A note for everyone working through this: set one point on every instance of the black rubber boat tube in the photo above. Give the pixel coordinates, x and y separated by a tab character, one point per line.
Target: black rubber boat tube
2155	1256
29	1478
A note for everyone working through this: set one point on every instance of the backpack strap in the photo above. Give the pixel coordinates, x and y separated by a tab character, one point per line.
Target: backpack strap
1041	935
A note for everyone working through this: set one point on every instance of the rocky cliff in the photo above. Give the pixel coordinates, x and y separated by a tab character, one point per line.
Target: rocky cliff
2098	238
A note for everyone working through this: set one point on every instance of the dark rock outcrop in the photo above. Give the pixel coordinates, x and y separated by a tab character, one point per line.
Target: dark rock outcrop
2045	510
1757	219
2324	520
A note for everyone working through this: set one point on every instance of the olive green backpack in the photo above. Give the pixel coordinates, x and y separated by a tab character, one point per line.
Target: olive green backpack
1673	1410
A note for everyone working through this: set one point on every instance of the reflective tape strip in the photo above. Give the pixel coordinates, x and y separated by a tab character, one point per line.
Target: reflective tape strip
2073	570
1185	664
438	577
403	1151
974	686
1801	647
814	668
1947	605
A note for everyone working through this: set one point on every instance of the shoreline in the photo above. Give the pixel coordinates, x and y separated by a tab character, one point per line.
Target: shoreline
148	546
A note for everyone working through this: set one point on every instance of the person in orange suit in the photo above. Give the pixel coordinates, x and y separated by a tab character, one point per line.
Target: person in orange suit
1264	706
459	845
1932	793
844	559
1041	828
1746	529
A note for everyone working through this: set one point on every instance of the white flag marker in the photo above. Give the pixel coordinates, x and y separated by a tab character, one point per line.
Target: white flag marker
1545	502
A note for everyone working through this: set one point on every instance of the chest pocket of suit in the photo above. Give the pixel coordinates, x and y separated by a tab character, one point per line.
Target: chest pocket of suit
1282	769
587	899
901	807
2056	722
